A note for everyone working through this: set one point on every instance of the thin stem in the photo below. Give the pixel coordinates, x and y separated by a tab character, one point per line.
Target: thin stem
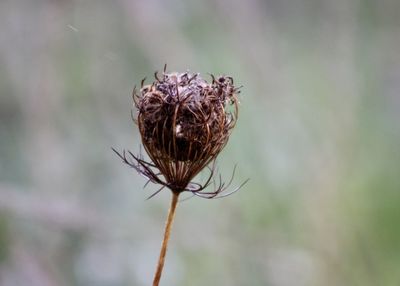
167	232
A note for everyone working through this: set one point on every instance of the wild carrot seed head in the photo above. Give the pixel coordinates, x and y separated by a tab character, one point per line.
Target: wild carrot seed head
185	122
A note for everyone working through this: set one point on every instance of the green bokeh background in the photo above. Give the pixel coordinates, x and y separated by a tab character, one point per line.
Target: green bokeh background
318	136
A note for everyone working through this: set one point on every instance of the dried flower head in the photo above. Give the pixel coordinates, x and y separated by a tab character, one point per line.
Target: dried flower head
184	122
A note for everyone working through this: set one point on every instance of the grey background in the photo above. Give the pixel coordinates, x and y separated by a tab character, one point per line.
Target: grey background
318	135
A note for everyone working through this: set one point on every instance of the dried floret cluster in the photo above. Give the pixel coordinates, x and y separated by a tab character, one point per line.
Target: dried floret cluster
183	118
184	122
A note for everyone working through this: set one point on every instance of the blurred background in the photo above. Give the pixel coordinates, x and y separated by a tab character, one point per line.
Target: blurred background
318	136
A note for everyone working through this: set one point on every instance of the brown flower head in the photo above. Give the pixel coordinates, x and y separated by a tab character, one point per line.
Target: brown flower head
184	123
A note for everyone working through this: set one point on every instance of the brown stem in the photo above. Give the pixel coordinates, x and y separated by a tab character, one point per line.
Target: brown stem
167	232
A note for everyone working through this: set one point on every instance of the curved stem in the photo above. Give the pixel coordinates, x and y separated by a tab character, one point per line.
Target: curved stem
167	232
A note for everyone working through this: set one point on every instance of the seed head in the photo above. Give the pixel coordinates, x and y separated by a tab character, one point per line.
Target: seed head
184	123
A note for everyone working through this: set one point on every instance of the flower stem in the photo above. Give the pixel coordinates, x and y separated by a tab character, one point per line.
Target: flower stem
167	232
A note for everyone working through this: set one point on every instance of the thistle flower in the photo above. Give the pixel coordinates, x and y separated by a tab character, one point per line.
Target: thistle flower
184	123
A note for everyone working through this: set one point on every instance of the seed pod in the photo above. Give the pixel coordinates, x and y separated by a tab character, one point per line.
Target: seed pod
185	122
